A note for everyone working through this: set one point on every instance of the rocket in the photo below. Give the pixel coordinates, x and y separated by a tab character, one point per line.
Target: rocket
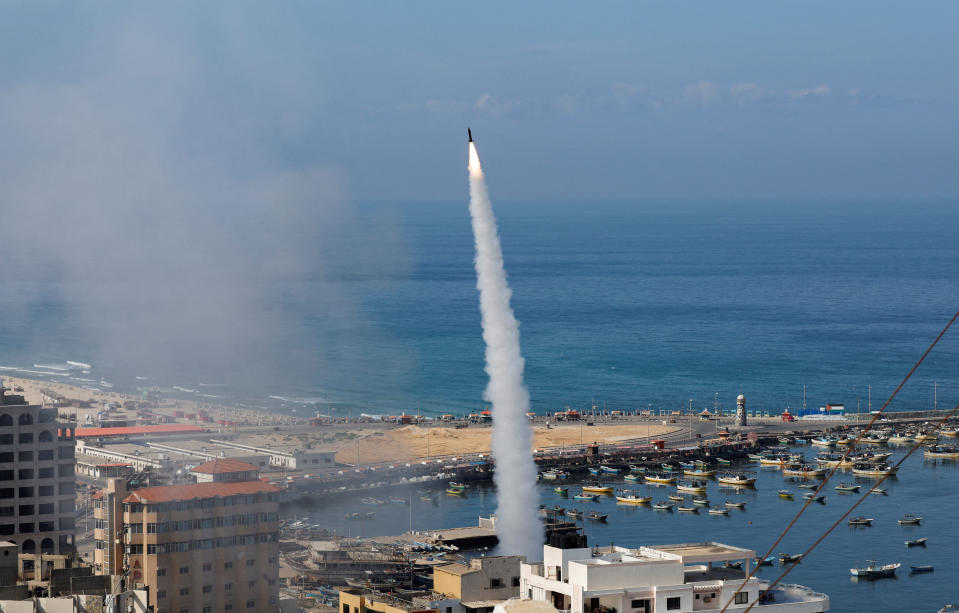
470	134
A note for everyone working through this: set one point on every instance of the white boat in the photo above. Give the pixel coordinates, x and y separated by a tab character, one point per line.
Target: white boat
740	479
873	571
873	470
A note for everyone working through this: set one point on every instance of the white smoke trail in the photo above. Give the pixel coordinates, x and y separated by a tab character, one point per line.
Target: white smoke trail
517	524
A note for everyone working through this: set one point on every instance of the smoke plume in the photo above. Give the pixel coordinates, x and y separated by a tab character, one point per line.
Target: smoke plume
517	525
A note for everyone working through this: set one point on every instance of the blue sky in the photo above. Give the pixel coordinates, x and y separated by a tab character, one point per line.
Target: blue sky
619	100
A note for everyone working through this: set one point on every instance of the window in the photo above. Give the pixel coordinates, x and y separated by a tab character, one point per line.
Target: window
495	582
250	604
251	584
207	609
229	606
151	548
207	567
742	597
250	562
25	456
46	473
161	594
184	570
151	528
228	565
642	605
673	604
346	609
47	508
515	582
161	572
207	589
47	490
26	509
6	511
25	438
25	473
227	587
184	591
45	454
26	492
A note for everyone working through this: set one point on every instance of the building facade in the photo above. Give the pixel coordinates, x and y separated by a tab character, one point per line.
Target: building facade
37	477
201	548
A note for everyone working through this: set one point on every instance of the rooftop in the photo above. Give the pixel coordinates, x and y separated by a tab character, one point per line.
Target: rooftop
173	493
136	430
224	465
692	553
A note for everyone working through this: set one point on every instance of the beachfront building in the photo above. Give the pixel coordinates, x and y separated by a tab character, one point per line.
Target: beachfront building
37	477
681	578
202	547
283	455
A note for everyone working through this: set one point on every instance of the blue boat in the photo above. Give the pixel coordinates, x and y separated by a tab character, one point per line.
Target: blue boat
607	469
594	471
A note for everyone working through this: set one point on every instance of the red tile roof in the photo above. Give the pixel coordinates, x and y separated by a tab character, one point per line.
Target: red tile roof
171	493
135	430
224	465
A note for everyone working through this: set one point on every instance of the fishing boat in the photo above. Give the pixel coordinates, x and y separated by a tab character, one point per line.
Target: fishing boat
372	502
926	437
847	487
942	452
874	571
808	486
676	497
701	501
460	486
767	561
777	459
785	494
664	506
661	478
845	441
951	432
426	498
597	489
454	491
683	509
740	479
733	565
921	542
785	558
900	438
694	487
878	491
594	471
609	470
630	497
597	516
360	516
724	462
814	498
803	470
397	500
735	505
873	470
669	468
923	568
699	472
562	491
754	457
785	440
910	520
574	513
718	511
637	469
860	520
833	460
687	465
590	497
633	478
557	510
823	441
548	475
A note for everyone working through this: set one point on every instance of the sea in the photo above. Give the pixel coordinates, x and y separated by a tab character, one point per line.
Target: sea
923	488
622	306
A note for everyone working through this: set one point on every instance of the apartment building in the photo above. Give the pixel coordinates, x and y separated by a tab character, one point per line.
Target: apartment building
201	548
37	477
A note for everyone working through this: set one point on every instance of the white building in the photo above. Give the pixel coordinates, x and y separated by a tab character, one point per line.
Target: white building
286	456
682	578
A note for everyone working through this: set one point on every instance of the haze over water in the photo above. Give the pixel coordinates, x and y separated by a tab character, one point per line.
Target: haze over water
625	304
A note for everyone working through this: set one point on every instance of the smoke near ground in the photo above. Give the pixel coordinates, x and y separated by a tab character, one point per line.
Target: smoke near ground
517	523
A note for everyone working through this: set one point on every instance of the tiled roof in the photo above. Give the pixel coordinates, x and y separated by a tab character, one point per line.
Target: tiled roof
171	493
135	430
224	465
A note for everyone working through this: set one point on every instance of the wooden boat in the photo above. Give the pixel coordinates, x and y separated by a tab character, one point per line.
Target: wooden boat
461	486
873	571
718	511
724	462
683	509
814	498
557	510
900	438
676	498
845	441
833	460
669	468
664	506
773	459
630	497
785	440
633	478
360	516
562	491
803	470
398	500
823	441
701	501
598	489
809	486
878	491
609	470
687	465
735	505
942	452
372	502
426	498
574	513
873	470
785	558
637	469
923	568
694	487
950	432
847	487
860	520
740	479
768	561
926	437
921	542
594	471
699	472
785	494
733	565
661	478
910	520
597	516
455	492
590	497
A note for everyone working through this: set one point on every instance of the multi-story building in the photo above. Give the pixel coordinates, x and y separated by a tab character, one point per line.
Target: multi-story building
37	477
202	548
681	578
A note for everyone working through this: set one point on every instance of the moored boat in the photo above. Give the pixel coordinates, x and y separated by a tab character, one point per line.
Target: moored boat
920	542
874	571
661	478
664	506
803	470
701	501
814	498
740	479
676	497
684	509
847	487
942	452
823	441
767	561
718	511
694	487
453	491
735	505
785	494
594	471
633	478
630	497
785	558
609	470
873	470
596	488
574	513
878	491
597	516
910	520
562	491
699	472
922	568
590	497
860	520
